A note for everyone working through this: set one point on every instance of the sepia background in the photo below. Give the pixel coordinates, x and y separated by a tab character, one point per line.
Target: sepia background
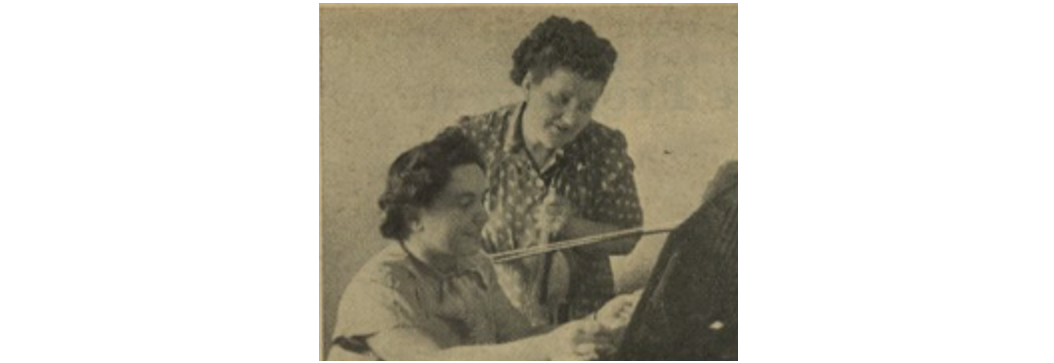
392	77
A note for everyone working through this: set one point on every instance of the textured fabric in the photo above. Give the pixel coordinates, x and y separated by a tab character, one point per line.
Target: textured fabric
396	291
593	173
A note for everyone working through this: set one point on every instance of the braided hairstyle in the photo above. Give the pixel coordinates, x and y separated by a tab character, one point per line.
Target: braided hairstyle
558	42
417	177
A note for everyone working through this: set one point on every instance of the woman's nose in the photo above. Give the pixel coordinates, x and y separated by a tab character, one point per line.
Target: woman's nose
572	117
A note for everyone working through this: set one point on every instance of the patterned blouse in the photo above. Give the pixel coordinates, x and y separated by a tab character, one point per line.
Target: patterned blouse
593	173
394	290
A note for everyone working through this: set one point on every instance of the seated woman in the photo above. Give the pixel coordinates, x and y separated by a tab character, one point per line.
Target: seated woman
433	295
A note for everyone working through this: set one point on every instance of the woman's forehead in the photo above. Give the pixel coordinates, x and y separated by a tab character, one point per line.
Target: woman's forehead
563	79
464	179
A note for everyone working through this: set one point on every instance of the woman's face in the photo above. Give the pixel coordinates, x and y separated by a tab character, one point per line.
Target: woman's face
559	107
454	222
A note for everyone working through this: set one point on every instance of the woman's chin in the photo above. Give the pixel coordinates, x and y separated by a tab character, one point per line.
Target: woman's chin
470	247
552	142
468	252
556	140
553	138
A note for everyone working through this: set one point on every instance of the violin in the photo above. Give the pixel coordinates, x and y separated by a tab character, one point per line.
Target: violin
556	278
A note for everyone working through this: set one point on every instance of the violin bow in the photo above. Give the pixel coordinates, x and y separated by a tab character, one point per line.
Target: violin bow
507	256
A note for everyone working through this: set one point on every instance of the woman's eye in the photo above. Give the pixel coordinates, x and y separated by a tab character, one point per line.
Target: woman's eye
560	100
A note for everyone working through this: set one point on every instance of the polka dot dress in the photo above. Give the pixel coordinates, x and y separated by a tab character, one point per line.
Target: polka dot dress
593	173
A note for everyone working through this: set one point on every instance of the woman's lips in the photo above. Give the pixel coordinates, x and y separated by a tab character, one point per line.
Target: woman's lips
560	128
560	131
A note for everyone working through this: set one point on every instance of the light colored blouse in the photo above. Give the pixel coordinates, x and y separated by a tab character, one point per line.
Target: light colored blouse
395	290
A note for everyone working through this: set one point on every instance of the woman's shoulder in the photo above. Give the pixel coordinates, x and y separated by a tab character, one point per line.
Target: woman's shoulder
490	121
601	133
487	130
599	141
391	268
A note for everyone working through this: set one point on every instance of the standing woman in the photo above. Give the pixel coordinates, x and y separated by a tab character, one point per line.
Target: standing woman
555	173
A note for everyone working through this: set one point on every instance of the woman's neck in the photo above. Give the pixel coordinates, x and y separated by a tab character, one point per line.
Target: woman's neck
539	152
441	261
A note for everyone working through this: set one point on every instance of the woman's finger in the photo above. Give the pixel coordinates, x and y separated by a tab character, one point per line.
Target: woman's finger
588	327
606	349
585	348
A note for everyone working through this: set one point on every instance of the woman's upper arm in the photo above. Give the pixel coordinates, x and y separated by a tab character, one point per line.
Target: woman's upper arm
372	306
617	202
402	344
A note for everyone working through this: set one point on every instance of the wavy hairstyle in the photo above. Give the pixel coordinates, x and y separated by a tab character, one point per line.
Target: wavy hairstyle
559	42
418	175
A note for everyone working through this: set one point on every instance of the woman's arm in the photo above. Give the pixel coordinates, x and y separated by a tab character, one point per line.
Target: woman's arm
410	345
615	206
577	340
557	214
336	353
578	227
572	341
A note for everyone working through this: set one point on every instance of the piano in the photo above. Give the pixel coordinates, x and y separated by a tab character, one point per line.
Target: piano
688	310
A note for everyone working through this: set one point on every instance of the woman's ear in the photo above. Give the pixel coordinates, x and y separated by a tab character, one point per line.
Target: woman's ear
526	84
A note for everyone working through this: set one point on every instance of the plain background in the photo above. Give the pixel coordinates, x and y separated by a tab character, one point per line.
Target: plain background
393	78
159	196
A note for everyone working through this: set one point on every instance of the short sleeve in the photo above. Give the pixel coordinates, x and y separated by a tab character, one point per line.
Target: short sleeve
369	308
618	203
467	127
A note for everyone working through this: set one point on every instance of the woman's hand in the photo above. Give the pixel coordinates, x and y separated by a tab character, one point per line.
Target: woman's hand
554	212
616	313
576	340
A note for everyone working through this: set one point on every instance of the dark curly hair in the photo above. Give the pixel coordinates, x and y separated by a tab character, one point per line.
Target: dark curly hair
558	42
418	175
